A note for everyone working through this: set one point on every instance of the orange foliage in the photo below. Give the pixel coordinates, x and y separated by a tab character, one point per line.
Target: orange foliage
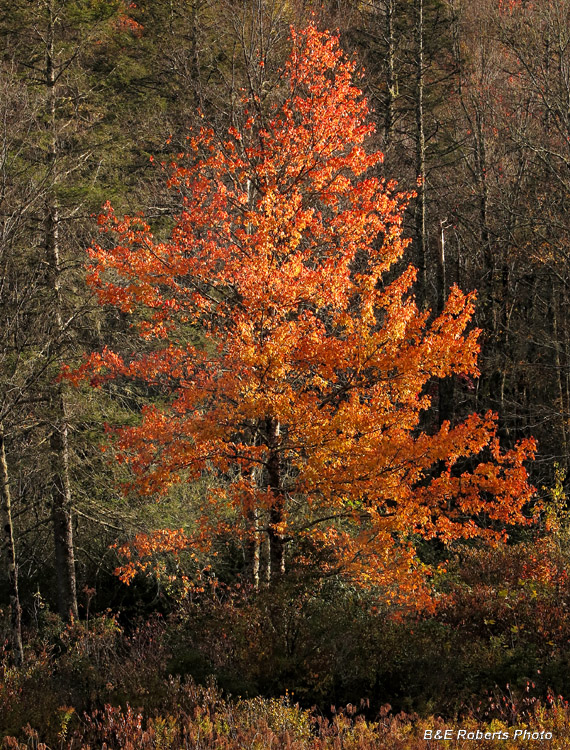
305	392
126	23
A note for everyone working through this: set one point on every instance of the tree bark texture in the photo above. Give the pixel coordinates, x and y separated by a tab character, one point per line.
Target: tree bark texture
59	440
10	554
277	511
420	209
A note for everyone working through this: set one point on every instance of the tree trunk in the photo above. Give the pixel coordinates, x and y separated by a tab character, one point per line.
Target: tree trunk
253	548
481	157
441	270
445	386
560	382
277	511
61	514
420	210
391	87
59	440
566	344
10	547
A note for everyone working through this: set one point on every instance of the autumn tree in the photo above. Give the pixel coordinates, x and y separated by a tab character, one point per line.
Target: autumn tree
287	364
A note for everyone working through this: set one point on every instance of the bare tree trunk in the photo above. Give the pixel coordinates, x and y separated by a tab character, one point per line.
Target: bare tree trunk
445	386
565	303
558	365
198	98
481	157
391	88
253	549
266	558
277	511
420	211
441	270
61	514
10	547
59	440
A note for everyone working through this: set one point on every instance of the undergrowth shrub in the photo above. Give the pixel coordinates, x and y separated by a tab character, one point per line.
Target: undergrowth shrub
496	650
259	724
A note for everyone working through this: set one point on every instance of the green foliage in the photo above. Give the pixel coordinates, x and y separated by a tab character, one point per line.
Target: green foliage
556	511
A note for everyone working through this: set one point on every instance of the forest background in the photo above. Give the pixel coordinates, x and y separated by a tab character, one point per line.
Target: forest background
471	106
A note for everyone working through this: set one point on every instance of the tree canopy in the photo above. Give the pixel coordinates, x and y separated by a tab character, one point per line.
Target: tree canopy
288	355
